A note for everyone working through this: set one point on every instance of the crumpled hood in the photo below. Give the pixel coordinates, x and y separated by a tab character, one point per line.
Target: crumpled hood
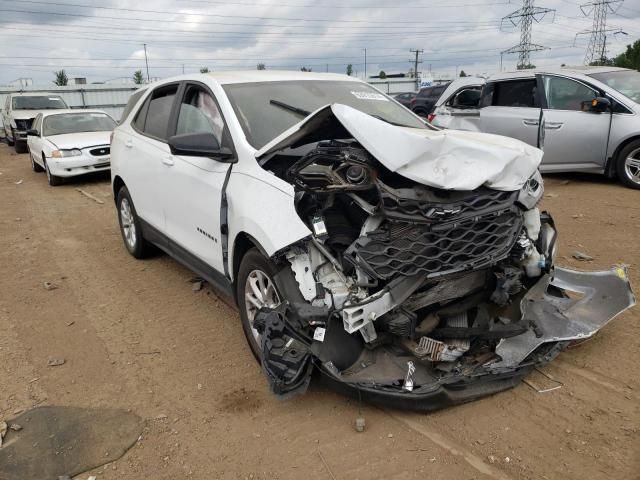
80	140
446	159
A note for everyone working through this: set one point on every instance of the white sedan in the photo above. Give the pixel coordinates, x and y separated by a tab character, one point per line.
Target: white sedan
70	142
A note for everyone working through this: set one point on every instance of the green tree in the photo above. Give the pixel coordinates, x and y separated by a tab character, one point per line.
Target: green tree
382	74
305	69
204	70
138	79
462	74
349	69
261	66
526	67
61	78
629	58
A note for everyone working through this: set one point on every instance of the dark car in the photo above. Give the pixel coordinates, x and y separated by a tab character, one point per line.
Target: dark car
425	101
405	98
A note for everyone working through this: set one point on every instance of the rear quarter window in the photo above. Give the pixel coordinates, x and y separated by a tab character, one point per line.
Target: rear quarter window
131	103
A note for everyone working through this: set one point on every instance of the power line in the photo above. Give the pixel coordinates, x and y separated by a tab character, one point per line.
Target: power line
199	14
525	17
324	6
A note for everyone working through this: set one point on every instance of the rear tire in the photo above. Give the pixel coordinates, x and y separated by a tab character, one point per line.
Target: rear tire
21	147
130	226
628	165
255	270
11	142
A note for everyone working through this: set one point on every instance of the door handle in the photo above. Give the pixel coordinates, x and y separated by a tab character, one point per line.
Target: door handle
168	161
553	125
531	122
128	144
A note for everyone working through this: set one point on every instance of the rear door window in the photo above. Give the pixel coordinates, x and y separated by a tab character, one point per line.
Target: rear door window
515	93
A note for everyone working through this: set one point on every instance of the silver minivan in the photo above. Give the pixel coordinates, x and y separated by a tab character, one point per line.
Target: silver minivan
585	118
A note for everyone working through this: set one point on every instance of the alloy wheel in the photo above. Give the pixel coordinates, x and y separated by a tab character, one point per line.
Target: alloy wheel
128	223
259	291
632	166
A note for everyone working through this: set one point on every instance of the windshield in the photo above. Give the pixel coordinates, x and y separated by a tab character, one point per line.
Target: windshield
76	123
267	109
627	82
38	103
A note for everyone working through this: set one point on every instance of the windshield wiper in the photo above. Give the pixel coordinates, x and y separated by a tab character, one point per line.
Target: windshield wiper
291	108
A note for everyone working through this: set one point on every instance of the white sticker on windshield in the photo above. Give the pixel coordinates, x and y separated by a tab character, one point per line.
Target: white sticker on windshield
369	96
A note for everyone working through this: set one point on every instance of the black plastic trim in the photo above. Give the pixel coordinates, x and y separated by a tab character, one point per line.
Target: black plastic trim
182	255
435	399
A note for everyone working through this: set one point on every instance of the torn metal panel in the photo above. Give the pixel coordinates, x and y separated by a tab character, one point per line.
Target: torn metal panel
604	295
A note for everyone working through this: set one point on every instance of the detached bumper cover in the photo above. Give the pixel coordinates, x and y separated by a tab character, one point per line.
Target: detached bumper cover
563	306
593	300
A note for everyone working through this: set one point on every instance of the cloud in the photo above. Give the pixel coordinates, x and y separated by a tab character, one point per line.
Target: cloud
104	41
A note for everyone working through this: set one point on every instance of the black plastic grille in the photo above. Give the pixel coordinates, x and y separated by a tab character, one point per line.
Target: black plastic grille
397	205
100	152
24	124
399	248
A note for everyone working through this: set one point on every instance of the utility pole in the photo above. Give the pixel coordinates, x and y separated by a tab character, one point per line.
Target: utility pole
597	47
146	61
415	64
524	17
365	64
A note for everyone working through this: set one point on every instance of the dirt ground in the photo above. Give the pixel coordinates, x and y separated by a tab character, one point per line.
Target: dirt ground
135	336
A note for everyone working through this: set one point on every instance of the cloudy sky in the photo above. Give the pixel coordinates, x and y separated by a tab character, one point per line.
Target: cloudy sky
103	40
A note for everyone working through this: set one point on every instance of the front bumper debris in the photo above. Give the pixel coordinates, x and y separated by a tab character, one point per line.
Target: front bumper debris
589	301
563	306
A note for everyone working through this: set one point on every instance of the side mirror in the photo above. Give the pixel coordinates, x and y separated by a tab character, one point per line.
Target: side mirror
597	105
32	132
199	145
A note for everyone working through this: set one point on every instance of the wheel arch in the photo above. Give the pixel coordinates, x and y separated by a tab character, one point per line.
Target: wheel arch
242	243
610	171
117	184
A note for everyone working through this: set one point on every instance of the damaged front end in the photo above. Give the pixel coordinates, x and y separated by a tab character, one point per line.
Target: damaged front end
416	295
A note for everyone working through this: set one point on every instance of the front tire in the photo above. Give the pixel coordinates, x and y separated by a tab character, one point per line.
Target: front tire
130	226
34	166
255	288
21	147
53	180
628	165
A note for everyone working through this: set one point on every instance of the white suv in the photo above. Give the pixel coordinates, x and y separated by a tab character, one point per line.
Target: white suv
355	239
20	109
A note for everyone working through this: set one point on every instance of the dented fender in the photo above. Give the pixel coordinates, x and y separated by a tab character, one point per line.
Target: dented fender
264	212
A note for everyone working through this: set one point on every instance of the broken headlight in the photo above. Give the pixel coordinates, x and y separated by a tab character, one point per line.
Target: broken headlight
532	191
